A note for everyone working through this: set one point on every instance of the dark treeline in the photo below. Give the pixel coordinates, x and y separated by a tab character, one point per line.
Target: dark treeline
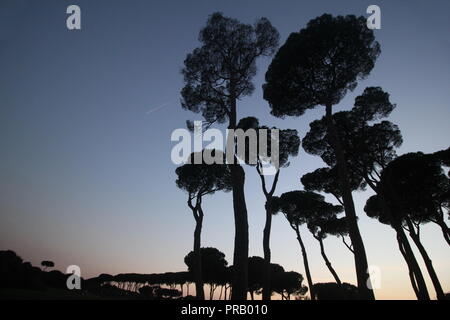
315	68
17	274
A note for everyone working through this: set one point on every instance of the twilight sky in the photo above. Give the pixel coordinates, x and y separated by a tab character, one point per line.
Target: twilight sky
85	171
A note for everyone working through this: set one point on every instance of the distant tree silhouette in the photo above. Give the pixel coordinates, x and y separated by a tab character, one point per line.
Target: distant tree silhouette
223	279
316	67
105	278
216	75
148	292
300	207
332	291
213	265
288	283
55	279
256	274
226	279
15	273
164	293
199	180
113	291
47	264
288	144
130	284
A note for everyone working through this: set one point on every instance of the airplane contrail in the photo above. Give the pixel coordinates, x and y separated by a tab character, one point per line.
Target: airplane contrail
160	107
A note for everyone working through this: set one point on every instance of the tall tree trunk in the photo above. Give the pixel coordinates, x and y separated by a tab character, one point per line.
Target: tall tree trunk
240	258
198	259
361	266
221	291
327	262
412	277
412	264
212	289
306	264
426	259
267	292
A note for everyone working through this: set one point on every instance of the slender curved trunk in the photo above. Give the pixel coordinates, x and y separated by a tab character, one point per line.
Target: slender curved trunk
361	265
426	259
306	264
414	271
267	290
419	283
327	262
198	258
410	269
267	254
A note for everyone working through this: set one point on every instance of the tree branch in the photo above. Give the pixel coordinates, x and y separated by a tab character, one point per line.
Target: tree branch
350	247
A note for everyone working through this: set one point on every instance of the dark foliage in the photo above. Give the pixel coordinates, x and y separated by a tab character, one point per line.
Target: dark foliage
319	64
224	65
333	291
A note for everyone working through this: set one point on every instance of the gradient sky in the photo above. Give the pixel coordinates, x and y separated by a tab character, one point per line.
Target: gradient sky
85	170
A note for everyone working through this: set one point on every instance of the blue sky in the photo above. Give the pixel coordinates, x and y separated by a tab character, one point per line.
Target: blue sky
85	170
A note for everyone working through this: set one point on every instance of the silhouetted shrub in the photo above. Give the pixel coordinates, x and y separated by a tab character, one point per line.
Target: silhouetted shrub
14	273
332	291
